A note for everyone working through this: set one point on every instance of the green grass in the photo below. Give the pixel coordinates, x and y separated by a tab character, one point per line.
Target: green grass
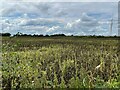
60	62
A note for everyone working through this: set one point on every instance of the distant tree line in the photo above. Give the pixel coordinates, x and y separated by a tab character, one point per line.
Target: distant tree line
54	35
26	35
5	34
36	35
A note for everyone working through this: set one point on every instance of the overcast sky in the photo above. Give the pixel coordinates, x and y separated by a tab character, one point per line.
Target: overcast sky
77	18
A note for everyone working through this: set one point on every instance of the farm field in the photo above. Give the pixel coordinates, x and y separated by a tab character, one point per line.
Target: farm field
60	62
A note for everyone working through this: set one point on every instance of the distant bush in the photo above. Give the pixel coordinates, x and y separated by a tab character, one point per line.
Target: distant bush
41	35
46	35
57	35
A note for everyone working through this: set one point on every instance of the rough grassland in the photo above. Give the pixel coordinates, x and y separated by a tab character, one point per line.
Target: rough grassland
60	62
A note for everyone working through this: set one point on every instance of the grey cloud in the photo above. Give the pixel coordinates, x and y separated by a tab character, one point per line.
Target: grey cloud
50	18
65	10
42	22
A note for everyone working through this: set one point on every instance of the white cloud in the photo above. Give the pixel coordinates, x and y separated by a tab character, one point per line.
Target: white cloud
83	26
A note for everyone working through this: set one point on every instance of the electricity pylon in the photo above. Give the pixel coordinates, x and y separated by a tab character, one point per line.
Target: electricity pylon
111	25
